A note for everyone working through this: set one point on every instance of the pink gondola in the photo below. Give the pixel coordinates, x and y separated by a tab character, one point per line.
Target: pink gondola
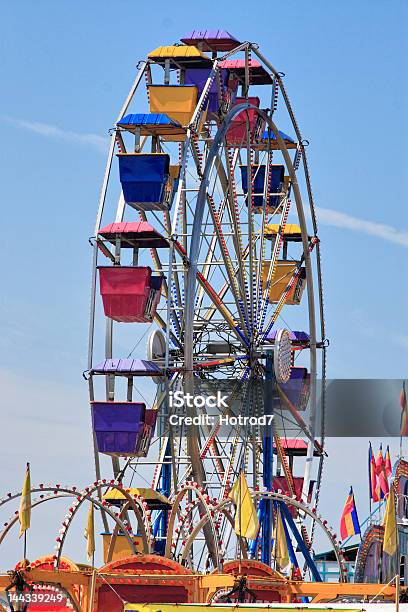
237	133
129	294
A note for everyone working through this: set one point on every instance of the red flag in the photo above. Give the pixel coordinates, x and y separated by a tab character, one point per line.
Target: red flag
388	466
349	524
372	475
382	481
404	411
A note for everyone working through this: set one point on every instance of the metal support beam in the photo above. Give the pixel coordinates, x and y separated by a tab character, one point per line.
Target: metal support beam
268	463
300	542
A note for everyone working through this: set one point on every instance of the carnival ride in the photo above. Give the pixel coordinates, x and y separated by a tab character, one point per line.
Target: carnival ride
205	249
210	179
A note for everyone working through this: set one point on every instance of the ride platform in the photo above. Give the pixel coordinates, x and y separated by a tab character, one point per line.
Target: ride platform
148	583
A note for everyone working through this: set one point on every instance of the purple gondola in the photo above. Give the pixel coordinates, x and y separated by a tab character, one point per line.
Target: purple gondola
297	389
199	76
123	429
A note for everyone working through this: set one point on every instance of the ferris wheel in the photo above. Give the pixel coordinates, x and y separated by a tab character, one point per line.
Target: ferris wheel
207	283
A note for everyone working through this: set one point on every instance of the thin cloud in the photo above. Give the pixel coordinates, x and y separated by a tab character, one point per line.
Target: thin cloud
325	215
385	232
397	338
52	131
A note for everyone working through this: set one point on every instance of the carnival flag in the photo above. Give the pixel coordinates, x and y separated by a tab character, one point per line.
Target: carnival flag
89	533
382	480
390	524
404	411
372	475
280	547
246	518
24	514
388	466
349	523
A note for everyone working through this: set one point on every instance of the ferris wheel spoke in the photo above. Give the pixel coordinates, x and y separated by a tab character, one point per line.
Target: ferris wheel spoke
206	270
162	324
174	290
229	319
223	310
231	162
233	460
165	288
226	257
208	315
212	440
261	259
251	241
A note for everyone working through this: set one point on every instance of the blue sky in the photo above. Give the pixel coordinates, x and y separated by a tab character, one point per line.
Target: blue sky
65	69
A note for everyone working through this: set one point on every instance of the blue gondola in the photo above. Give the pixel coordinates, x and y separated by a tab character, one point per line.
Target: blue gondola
144	177
258	172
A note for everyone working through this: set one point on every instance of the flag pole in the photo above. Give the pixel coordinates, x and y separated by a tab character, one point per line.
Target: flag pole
403	414
92	591
369	476
24	513
240	523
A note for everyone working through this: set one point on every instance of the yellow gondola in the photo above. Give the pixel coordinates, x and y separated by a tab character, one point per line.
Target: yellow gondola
282	276
176	101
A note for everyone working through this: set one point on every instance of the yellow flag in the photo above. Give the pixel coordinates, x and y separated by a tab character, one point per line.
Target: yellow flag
89	532
280	547
24	513
246	518
390	523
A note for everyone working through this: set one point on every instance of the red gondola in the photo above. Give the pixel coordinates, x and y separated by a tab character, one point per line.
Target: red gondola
129	294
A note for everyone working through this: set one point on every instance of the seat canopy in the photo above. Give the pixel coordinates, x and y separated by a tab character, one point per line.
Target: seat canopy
127	367
180	56
135	234
257	73
269	135
299	337
151	124
154	499
211	40
291	233
295	447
